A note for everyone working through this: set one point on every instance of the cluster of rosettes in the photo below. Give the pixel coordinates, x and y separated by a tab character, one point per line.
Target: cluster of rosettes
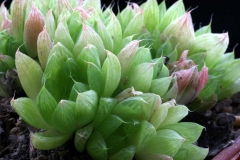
104	78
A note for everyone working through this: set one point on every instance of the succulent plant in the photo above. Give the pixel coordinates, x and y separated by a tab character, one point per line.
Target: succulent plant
104	79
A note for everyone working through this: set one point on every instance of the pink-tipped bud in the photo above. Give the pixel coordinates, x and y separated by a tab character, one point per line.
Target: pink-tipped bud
183	79
182	29
182	63
190	83
84	13
6	23
203	78
33	26
44	46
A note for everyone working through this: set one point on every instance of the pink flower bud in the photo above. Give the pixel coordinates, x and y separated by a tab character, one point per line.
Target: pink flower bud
190	83
84	13
203	78
183	79
33	26
6	23
182	63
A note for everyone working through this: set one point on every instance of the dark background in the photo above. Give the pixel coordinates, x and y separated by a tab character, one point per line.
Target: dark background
225	13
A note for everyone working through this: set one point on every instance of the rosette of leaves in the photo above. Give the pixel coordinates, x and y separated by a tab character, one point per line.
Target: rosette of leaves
162	32
115	32
133	124
170	32
83	84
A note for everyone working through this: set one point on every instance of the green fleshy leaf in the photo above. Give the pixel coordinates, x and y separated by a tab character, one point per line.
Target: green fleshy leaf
124	42
143	55
115	30
53	75
81	137
166	142
95	78
190	151
172	91
131	128
229	91
152	156
146	133
69	74
115	142
104	108
158	66
78	87
96	146
210	88
225	58
62	11
124	154
215	51
190	131
159	114
6	63
151	15
162	10
157	43
88	54
175	114
27	109
166	49
129	108
173	12
125	16
86	107
126	57
181	33
198	59
139	74
203	104
129	92
134	26
48	140
152	101
9	44
109	125
44	46
46	104
164	72
160	86
75	25
18	12
50	23
63	118
61	51
111	70
62	35
30	74
90	4
231	73
204	30
89	36
105	36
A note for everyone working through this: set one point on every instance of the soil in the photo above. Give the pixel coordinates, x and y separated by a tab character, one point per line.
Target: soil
219	133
